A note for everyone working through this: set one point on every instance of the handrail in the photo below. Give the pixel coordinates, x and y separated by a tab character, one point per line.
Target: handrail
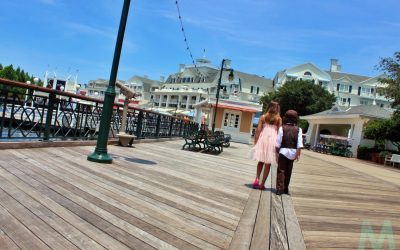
48	115
68	94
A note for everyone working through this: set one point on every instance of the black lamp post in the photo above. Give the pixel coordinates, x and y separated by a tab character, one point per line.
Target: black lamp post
100	153
230	78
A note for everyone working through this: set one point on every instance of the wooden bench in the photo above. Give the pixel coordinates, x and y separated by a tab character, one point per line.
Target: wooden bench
394	158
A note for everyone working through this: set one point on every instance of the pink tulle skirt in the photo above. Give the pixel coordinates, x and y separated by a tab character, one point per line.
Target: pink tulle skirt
264	150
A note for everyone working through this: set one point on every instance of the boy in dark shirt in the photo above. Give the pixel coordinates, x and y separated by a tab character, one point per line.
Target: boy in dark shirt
288	145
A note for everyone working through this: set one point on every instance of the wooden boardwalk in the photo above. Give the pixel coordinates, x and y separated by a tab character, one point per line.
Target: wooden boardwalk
338	199
156	196
152	196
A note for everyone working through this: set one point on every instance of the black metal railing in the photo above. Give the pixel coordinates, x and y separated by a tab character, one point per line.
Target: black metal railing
31	112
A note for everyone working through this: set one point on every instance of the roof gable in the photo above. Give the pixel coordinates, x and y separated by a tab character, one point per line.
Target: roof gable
308	67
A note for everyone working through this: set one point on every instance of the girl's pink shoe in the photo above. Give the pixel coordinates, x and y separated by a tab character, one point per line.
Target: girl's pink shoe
255	184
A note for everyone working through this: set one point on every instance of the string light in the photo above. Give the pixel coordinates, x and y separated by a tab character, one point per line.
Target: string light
186	40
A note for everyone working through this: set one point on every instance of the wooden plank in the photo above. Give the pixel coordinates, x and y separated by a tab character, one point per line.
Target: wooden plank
43	231
6	243
64	210
293	230
278	238
18	233
261	234
244	232
131	213
63	227
151	191
129	195
112	225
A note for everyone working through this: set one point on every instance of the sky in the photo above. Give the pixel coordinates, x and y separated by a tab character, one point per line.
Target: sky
260	36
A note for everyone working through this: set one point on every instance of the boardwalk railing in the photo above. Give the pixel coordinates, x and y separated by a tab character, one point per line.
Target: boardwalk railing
33	112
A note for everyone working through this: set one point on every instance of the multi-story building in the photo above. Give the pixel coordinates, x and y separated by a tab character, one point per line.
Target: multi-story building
349	89
96	88
144	87
192	91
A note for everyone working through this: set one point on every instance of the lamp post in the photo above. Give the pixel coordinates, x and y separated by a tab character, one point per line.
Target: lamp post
230	78
36	81
59	104
100	153
26	94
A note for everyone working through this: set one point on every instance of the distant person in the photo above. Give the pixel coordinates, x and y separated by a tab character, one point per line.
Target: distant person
288	144
264	150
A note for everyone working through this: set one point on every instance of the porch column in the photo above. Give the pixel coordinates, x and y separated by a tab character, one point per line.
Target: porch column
210	117
159	104
168	100
179	101
309	135
357	136
187	102
351	131
316	135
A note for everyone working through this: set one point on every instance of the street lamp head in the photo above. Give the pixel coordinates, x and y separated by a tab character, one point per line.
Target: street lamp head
62	88
28	82
231	76
36	80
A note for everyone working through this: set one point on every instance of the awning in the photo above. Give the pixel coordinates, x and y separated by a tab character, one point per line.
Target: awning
243	109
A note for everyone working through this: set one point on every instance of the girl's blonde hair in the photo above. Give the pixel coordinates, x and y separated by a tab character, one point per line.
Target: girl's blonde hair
273	113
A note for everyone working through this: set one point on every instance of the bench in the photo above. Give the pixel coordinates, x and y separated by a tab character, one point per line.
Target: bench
394	158
214	143
194	141
224	137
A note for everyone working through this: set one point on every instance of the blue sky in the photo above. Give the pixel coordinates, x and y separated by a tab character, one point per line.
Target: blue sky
259	36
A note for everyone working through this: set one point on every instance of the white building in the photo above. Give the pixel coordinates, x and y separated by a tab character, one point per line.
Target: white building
144	87
192	91
349	89
345	122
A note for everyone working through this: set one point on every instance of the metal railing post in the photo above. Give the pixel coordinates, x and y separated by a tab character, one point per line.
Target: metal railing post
139	124
49	116
158	125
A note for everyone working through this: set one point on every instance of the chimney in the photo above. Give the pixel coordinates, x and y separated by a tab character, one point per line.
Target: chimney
227	64
334	66
162	79
181	67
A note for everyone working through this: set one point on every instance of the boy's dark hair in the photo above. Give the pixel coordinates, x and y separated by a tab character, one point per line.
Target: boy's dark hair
291	116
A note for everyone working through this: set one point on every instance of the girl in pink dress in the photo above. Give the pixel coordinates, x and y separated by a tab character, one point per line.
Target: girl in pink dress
264	150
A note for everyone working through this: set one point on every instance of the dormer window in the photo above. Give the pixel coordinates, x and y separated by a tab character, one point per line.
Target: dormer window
307	73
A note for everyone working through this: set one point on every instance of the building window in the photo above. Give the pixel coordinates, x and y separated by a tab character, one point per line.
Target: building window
232	120
251	89
344	88
364	102
258	90
366	91
307	73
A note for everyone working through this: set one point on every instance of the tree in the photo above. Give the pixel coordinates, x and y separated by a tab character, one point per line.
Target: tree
391	67
303	96
387	129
